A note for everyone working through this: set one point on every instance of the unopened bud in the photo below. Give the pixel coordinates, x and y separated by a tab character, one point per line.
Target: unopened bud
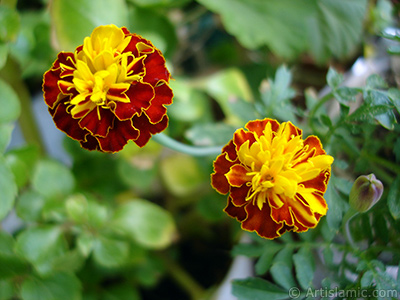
365	192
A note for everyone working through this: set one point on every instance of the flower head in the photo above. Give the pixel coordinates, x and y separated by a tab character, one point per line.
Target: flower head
275	179
112	89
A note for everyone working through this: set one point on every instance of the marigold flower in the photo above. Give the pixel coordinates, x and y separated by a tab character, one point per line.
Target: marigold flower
112	89
275	179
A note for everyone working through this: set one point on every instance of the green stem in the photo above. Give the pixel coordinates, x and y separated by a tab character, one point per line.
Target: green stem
348	217
191	150
183	278
315	109
11	73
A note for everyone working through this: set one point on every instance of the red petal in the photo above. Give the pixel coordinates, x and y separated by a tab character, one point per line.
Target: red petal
235	212
146	129
118	136
319	183
261	222
258	126
282	214
314	143
66	123
91	143
241	136
218	179
96	126
238	195
303	215
155	68
135	38
140	95
163	96
237	176
230	150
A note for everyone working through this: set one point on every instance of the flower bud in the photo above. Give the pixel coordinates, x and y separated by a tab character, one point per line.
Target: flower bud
365	192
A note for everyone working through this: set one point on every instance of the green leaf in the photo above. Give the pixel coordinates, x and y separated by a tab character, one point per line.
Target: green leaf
281	269
393	198
76	207
334	79
159	31
110	252
211	207
5	135
6	290
123	291
3	55
248	249
9	23
367	279
375	81
289	28
72	21
336	206
394	95
8	189
52	179
11	264
226	87
159	3
305	267
9	103
190	105
146	223
257	289
345	95
264	262
182	175
60	286
85	243
41	246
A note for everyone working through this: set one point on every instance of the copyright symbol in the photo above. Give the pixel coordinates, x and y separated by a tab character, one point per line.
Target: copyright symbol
294	293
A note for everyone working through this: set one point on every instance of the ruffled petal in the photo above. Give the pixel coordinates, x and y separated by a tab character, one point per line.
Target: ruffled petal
98	121
163	96
261	222
66	123
237	176
239	194
140	95
147	129
118	137
258	126
218	179
155	68
233	211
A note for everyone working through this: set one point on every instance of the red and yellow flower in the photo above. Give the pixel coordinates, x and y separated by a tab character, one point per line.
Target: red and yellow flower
112	89
276	180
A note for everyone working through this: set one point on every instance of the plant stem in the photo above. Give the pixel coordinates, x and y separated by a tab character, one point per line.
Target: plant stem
191	150
351	213
315	109
11	73
183	278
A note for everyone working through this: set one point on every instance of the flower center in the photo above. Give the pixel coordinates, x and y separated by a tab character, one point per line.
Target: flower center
269	162
103	73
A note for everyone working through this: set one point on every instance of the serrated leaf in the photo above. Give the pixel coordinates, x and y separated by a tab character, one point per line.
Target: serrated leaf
305	267
375	81
264	262
86	15
60	286
52	179
8	189
9	103
393	198
257	289
334	79
146	223
281	269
